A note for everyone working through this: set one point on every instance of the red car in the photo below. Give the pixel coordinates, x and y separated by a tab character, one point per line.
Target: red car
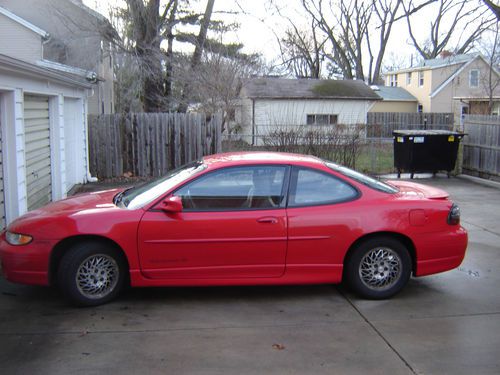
239	219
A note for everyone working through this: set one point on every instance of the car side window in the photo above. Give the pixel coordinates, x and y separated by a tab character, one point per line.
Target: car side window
235	188
311	187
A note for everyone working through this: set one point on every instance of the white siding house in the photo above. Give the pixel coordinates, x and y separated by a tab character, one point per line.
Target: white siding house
26	42
267	104
43	125
76	39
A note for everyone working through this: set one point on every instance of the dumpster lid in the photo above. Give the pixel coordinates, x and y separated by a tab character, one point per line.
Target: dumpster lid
426	132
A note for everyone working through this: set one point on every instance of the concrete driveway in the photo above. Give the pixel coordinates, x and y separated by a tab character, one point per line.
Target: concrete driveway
443	324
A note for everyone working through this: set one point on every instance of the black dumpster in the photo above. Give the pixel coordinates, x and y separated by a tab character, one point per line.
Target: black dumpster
425	150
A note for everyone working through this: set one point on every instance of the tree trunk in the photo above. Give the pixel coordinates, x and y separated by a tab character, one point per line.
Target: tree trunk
169	57
146	22
198	51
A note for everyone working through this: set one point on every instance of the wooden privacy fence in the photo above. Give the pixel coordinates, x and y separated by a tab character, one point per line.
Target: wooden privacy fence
481	145
382	124
150	144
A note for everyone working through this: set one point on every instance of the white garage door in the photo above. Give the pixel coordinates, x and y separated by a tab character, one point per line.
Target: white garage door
37	138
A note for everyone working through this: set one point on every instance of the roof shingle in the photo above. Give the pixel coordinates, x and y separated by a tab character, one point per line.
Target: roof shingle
305	88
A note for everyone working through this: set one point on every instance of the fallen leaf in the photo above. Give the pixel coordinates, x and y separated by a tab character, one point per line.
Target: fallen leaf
278	346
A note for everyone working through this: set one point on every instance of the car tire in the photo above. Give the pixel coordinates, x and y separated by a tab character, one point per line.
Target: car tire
378	268
91	273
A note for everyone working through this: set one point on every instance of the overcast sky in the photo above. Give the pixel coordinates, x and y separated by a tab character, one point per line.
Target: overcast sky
260	23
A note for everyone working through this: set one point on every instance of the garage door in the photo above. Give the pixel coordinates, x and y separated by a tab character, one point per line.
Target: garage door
37	138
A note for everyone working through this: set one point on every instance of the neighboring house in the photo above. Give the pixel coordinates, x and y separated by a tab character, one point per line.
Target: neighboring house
456	84
43	126
76	39
394	99
267	104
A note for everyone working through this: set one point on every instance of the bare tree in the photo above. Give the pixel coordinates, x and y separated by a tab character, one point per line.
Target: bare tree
455	26
357	32
495	8
198	51
146	23
302	51
490	79
219	78
345	31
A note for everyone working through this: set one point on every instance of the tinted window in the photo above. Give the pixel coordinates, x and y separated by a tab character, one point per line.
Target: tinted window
238	188
311	187
362	178
140	196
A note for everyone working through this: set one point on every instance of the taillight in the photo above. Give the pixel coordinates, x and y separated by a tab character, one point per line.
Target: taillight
454	215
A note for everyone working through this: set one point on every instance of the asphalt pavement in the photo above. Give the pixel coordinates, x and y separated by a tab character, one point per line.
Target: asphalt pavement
442	324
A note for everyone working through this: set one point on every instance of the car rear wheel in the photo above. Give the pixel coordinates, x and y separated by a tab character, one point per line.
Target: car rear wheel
91	274
378	268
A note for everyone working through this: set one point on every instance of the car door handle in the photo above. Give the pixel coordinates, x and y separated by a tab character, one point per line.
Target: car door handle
268	219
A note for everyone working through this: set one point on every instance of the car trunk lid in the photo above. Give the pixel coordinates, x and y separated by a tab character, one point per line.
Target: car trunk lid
407	188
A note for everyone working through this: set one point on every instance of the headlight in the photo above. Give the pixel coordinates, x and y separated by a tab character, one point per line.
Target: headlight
18	238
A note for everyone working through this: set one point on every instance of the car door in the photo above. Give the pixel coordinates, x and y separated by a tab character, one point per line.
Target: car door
233	225
322	221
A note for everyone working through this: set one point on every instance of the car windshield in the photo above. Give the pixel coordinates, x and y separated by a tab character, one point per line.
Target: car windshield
139	196
362	178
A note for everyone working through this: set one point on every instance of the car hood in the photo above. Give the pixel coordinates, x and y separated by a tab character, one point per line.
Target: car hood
81	214
99	200
413	189
85	201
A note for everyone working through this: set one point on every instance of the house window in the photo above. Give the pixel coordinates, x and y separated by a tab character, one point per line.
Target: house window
394	80
408	78
334	119
474	78
421	78
420	108
322	119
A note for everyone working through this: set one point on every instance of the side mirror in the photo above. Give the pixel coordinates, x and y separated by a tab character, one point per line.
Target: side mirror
172	204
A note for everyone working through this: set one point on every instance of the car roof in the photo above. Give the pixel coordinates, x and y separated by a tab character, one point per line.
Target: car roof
256	157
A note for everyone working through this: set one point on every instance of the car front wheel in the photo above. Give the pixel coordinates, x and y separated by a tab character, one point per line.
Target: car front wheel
91	274
378	268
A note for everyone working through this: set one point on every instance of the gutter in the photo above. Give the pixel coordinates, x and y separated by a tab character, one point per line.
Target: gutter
11	64
88	75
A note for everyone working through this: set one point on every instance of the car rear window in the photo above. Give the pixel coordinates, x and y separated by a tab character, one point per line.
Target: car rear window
362	178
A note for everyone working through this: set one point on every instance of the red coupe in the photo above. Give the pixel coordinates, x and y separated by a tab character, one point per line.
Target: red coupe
239	219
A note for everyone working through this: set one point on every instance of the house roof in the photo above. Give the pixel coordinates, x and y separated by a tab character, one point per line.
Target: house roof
457	72
23	22
437	63
106	28
14	65
304	88
449	60
388	93
79	4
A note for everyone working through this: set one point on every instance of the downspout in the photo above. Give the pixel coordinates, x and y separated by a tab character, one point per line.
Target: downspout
85	104
253	122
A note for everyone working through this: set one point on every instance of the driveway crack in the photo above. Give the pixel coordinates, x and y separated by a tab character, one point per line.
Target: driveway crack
480	227
400	356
